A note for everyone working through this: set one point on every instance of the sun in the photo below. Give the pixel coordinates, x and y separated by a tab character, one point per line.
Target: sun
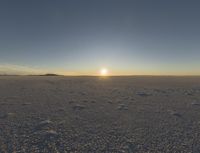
104	72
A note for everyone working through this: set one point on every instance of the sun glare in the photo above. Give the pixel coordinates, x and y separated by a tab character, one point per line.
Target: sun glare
104	72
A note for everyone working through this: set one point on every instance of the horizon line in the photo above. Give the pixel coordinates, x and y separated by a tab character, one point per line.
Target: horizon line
129	75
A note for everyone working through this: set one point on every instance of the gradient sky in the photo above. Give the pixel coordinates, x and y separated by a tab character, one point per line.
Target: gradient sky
135	37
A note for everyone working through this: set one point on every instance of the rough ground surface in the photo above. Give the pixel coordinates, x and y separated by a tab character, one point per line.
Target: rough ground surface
99	115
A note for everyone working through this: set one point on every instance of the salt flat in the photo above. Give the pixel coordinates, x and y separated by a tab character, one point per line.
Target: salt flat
99	114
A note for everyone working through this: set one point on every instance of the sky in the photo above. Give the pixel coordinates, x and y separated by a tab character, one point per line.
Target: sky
79	37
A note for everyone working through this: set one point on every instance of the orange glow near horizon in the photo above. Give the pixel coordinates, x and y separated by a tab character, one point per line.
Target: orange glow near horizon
104	72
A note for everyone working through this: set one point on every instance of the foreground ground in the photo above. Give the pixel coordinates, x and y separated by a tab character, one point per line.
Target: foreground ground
99	115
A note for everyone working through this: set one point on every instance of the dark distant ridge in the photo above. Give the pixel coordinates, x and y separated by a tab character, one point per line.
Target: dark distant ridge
50	74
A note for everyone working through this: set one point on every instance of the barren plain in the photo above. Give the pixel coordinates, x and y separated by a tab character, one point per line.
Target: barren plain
57	114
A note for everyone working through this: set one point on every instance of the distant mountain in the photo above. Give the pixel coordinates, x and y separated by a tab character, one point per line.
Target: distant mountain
50	74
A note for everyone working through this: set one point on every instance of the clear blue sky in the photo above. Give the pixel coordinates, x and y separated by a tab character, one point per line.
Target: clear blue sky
81	36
